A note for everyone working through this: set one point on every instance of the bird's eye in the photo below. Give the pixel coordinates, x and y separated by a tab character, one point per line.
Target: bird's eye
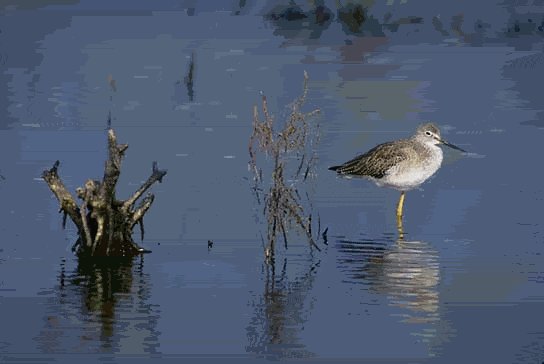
428	133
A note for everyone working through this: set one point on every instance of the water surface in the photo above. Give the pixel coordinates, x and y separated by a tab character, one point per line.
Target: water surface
464	285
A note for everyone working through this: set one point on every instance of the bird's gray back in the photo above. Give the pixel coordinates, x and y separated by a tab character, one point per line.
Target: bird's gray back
380	159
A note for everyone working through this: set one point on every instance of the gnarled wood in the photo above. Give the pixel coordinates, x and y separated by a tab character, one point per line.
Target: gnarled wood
67	203
104	223
156	176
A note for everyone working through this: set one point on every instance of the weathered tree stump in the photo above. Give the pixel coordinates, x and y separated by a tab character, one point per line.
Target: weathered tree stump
104	223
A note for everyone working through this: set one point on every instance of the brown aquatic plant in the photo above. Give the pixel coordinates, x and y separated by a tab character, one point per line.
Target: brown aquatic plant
285	207
105	223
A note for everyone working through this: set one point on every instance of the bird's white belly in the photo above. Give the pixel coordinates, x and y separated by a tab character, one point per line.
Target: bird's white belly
406	176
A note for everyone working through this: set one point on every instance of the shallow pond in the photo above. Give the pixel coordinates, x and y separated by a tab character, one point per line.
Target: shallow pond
464	285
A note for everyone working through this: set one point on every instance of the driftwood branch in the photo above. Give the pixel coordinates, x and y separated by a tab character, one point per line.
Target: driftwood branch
112	169
145	204
86	230
156	176
67	203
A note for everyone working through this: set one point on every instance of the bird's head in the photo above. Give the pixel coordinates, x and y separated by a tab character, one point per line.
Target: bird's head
430	134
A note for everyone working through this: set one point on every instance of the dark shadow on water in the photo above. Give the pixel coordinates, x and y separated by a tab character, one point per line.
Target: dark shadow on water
281	310
98	305
406	272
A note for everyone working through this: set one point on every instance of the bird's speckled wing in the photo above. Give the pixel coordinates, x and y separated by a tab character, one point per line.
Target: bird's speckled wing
377	161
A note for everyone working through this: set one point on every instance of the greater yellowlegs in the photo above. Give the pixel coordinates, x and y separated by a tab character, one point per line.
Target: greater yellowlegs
402	164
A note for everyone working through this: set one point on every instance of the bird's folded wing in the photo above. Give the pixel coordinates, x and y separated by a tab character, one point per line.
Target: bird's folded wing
376	162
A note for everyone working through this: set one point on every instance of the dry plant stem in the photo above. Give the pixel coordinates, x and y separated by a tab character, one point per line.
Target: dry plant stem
283	203
282	226
253	157
297	212
302	98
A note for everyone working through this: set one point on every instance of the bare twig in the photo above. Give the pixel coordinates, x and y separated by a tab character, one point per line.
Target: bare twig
64	215
284	234
142	230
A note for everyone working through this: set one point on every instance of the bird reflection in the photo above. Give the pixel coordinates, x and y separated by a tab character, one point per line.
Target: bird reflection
407	272
97	305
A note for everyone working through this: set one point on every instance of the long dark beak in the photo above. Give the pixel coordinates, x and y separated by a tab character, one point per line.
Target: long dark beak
452	146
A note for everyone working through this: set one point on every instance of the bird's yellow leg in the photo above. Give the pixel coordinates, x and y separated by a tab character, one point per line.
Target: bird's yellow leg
400	206
399	217
400	229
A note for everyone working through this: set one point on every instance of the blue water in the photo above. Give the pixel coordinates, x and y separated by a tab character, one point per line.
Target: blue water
465	283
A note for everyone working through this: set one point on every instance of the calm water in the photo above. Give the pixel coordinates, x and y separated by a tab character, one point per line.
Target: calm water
464	285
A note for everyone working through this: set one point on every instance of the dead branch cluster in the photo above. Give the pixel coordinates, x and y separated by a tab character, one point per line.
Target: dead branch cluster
104	223
284	206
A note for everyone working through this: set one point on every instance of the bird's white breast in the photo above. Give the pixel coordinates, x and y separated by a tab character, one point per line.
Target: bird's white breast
411	173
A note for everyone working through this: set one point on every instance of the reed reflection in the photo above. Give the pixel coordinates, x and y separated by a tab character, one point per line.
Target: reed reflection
281	310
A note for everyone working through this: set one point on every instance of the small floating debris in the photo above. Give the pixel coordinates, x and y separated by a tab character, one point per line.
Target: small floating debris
32	125
324	236
229	157
141	76
182	154
231	116
209	130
